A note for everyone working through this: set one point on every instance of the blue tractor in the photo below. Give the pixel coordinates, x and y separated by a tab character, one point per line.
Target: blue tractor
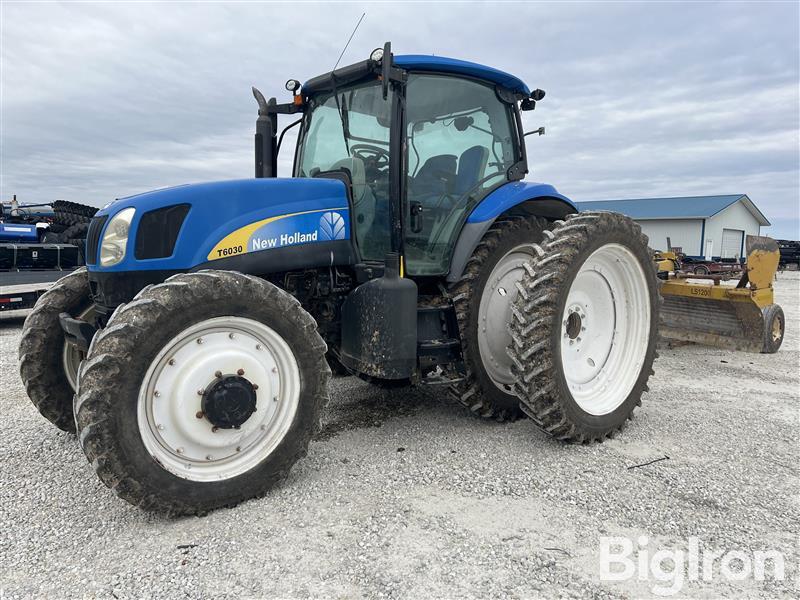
406	249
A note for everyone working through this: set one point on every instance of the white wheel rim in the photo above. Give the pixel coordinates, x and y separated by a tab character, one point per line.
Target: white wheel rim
494	314
605	329
71	356
170	419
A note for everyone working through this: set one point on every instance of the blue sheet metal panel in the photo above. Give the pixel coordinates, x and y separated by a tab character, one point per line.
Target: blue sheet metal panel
690	207
239	209
511	194
18	232
421	62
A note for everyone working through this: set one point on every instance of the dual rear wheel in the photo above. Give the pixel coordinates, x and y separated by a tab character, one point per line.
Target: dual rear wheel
559	321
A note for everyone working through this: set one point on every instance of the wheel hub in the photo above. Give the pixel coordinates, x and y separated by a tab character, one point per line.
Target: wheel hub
229	402
573	325
776	330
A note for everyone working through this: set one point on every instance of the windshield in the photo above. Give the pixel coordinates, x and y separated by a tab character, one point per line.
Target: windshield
350	131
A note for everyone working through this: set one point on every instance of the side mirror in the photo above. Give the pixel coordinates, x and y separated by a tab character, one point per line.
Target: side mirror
530	102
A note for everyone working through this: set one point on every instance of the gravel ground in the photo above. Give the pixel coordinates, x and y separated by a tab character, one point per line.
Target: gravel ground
405	495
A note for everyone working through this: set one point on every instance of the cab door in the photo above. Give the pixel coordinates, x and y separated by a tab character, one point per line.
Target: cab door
460	142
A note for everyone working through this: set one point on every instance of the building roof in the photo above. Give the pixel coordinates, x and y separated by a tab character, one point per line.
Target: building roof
686	207
422	62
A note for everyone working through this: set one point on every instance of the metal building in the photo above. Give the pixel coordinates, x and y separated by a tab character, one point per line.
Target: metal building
700	226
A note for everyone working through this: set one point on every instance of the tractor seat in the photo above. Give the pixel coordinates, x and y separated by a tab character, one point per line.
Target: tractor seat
471	167
435	177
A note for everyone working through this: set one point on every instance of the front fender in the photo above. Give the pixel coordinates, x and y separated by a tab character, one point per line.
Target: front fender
525	197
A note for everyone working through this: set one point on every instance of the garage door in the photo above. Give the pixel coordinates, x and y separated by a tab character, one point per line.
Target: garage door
732	243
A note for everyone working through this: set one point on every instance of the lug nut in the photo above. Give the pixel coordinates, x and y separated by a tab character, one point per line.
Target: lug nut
258	346
179	450
218	374
240	372
255	386
171	362
232	335
214	429
200	392
156	393
274	369
160	427
238	448
199	414
209	457
199	340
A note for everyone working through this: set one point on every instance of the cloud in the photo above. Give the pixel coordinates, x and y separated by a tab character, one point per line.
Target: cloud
105	100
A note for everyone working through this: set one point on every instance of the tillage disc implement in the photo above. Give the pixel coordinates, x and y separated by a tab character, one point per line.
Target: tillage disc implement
584	326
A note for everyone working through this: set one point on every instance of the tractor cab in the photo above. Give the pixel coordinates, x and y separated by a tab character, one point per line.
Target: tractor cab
418	140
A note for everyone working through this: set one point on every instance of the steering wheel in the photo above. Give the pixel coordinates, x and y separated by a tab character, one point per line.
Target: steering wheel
375	155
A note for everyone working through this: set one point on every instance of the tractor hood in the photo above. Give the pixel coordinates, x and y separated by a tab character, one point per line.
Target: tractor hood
208	225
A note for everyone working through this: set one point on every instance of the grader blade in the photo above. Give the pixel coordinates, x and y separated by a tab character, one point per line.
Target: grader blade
744	317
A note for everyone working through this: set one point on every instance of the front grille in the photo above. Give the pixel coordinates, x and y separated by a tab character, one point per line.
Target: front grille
158	231
93	238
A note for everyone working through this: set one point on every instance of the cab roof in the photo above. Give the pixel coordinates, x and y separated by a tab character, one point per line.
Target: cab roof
417	62
442	64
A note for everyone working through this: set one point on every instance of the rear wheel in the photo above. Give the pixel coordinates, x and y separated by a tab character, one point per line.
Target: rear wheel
201	392
48	363
584	327
482	299
774	328
701	270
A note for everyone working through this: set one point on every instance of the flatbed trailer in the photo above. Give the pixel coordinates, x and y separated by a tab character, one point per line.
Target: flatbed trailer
19	290
711	267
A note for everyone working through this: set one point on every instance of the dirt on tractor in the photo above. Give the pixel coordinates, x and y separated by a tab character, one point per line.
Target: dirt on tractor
403	495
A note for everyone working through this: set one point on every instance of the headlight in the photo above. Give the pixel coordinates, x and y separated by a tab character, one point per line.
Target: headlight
115	239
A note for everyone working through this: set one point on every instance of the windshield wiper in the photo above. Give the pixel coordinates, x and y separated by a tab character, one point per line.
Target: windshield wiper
343	116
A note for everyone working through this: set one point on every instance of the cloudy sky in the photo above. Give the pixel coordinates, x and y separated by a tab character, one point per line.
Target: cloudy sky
101	100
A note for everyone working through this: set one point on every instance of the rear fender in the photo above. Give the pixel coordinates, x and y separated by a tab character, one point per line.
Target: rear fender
520	198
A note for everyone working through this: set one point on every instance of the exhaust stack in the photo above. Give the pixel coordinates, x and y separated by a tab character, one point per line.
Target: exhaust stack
266	139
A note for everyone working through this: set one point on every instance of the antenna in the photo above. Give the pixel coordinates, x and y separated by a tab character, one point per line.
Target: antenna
348	41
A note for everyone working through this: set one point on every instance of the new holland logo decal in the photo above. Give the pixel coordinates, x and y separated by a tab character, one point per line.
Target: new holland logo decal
285	230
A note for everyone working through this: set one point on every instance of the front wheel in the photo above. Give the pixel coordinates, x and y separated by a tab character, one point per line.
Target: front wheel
201	392
48	363
584	327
